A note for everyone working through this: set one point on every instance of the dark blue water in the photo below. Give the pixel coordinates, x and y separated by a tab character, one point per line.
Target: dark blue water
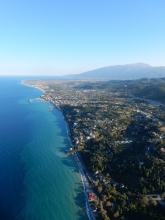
37	180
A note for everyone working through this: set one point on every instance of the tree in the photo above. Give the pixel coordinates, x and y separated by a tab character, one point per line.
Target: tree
116	214
108	204
145	200
99	189
163	196
144	191
104	198
153	202
96	183
100	205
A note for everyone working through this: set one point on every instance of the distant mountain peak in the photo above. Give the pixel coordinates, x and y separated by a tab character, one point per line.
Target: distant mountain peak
127	71
141	65
138	65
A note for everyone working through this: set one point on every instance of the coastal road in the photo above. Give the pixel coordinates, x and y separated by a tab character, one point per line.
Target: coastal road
85	169
85	184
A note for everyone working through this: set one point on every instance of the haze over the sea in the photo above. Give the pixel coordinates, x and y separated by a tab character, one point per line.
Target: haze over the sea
37	181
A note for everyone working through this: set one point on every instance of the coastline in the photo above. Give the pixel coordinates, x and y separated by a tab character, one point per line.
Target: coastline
81	173
76	126
23	83
67	128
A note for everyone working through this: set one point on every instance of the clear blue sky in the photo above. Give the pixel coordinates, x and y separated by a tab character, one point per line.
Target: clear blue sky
72	36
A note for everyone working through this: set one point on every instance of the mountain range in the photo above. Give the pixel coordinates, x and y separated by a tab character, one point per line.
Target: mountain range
122	72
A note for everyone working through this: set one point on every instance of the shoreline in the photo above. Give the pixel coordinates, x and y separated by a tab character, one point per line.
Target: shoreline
85	182
23	83
78	162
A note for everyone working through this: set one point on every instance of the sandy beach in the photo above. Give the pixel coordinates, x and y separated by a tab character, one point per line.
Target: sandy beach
22	82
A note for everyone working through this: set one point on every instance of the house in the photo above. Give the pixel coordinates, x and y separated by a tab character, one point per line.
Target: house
75	124
92	197
122	186
157	197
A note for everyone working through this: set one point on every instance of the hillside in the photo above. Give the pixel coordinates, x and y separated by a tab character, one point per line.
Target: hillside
153	89
156	92
129	71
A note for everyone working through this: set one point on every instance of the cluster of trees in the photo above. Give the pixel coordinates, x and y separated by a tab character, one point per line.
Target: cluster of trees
120	205
159	149
161	113
145	88
106	154
146	178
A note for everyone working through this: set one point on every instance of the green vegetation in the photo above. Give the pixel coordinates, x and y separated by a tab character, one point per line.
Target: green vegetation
145	88
120	139
159	150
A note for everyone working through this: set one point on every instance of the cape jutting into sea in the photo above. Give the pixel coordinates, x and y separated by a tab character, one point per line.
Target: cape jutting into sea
37	179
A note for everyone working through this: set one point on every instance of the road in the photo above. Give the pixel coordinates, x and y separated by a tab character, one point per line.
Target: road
152	102
85	184
90	177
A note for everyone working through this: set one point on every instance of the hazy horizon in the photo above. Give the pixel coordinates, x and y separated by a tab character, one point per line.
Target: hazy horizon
53	75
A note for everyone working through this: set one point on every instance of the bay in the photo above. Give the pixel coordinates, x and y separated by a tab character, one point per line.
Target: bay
37	180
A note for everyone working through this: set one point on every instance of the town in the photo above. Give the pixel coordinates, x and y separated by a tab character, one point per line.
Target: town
119	139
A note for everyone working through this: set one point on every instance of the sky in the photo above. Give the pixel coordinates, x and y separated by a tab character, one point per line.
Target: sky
58	37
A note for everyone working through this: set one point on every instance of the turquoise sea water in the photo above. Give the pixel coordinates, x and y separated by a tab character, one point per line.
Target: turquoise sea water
37	180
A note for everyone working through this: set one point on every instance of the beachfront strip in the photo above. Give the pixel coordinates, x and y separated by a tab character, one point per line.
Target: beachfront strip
89	194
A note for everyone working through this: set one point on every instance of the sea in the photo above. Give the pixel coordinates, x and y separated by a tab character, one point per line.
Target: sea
38	181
